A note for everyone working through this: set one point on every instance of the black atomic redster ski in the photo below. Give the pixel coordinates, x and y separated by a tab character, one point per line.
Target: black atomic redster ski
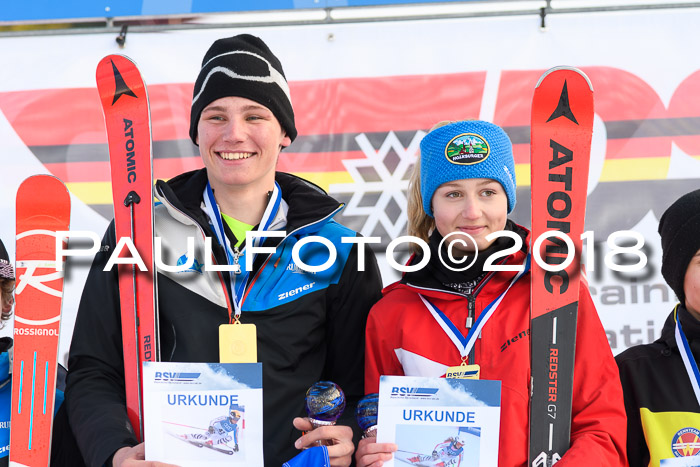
561	131
127	117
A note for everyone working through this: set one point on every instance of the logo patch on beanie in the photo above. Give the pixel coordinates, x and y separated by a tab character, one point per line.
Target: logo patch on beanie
467	149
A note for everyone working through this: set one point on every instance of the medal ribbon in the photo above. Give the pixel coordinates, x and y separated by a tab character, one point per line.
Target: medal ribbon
465	344
239	281
691	367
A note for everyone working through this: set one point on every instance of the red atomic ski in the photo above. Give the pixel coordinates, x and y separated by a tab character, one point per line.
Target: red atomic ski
127	118
43	208
561	130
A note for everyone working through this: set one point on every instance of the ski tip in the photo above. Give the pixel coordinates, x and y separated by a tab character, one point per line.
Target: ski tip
105	66
118	57
43	177
51	195
43	181
568	68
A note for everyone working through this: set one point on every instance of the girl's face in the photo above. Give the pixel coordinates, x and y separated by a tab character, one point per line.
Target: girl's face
474	206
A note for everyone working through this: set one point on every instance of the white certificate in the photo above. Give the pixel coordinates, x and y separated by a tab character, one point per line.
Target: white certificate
440	422
203	413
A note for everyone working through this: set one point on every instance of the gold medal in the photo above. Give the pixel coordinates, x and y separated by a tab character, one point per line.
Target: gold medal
238	343
463	371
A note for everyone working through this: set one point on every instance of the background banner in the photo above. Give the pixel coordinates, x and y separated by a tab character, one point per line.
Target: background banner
363	95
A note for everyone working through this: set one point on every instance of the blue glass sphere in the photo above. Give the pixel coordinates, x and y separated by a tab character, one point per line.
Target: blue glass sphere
366	412
325	401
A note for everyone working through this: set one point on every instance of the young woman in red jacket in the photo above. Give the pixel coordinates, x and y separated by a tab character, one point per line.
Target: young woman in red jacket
465	184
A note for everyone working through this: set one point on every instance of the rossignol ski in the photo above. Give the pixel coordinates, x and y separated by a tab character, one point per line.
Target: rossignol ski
126	110
561	131
43	208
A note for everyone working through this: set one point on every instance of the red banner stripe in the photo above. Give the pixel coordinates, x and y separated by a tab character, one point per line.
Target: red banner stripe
636	120
73	116
392	103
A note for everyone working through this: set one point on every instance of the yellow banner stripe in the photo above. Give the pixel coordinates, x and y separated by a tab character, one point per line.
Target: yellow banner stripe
326	179
648	168
522	174
92	192
617	170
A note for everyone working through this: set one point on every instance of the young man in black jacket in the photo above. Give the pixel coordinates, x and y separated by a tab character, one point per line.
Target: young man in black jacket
660	380
310	326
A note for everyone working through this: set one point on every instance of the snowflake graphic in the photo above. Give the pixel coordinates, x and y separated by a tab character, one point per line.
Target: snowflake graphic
391	185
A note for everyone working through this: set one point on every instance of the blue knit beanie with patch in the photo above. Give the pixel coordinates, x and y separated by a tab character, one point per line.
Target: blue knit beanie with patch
468	149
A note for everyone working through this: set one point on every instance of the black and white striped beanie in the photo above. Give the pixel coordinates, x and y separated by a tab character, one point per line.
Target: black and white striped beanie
243	66
6	269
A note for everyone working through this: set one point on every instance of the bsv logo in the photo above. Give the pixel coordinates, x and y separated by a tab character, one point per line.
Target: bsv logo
405	391
173	376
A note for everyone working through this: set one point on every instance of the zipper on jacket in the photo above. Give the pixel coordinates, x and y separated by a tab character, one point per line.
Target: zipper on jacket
471	310
471	305
471	302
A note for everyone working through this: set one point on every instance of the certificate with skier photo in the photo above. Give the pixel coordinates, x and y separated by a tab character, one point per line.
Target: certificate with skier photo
439	422
203	413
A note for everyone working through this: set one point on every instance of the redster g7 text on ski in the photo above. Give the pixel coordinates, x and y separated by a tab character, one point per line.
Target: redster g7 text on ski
553	373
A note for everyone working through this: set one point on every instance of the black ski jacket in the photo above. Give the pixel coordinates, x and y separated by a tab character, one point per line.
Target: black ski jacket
305	334
659	399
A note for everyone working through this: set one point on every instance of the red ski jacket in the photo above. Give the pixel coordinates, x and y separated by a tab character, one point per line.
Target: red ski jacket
403	338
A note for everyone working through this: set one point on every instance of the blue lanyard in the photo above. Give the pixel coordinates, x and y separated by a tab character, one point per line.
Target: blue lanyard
464	344
239	277
691	367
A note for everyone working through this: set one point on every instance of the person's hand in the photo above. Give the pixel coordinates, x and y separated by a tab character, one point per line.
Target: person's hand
372	454
340	452
134	457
